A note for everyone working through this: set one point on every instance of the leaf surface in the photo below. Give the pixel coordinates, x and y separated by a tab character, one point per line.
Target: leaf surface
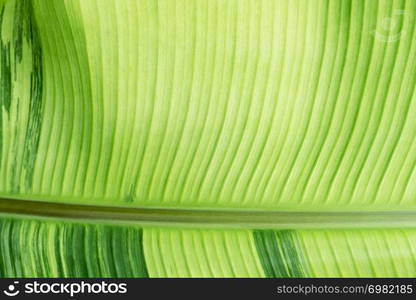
262	119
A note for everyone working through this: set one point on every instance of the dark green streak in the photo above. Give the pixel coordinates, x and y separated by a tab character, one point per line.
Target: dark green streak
5	69
32	248
35	107
278	254
5	81
108	255
19	61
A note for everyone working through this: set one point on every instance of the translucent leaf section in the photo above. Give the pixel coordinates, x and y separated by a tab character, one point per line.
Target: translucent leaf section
360	253
201	253
32	247
270	104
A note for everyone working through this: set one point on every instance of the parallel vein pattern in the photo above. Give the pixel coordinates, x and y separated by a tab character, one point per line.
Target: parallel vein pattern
271	104
20	95
33	248
48	248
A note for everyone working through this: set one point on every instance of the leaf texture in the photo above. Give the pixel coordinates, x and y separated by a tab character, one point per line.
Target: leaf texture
254	105
56	248
242	104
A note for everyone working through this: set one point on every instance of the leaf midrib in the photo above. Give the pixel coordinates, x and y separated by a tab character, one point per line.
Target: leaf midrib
209	217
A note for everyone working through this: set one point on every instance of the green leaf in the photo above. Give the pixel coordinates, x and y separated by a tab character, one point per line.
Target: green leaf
207	138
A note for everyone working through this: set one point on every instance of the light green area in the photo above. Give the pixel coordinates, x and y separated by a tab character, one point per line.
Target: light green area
295	105
360	253
201	253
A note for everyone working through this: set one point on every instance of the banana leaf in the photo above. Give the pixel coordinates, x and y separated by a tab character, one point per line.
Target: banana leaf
207	138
